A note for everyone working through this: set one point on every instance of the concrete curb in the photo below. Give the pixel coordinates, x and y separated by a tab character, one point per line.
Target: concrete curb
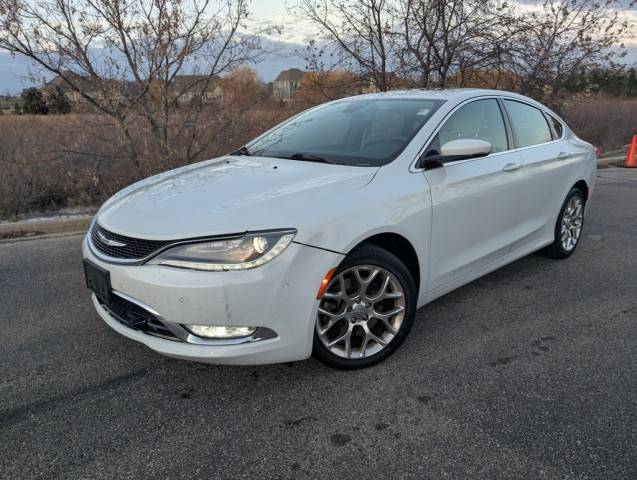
41	237
44	228
617	161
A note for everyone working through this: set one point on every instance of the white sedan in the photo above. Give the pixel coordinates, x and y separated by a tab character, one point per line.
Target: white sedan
325	234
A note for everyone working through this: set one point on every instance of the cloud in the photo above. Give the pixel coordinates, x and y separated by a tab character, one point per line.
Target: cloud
287	47
621	4
293	30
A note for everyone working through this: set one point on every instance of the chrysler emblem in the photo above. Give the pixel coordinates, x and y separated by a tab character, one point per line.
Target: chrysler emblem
108	241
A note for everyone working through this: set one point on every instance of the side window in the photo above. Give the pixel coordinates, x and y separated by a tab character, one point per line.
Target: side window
558	128
529	124
480	119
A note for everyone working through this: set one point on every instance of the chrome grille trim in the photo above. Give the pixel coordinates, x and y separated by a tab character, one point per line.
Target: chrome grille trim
120	248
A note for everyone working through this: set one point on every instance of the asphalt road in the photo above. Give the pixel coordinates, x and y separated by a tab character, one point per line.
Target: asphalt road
529	372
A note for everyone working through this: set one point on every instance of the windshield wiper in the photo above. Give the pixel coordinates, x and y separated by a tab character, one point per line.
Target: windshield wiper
241	151
309	158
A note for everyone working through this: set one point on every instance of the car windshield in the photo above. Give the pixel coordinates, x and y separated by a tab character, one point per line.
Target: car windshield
365	132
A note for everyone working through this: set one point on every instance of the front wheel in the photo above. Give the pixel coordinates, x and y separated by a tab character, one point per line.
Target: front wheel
568	227
367	310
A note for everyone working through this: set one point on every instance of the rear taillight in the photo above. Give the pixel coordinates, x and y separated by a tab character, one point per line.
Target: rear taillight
598	151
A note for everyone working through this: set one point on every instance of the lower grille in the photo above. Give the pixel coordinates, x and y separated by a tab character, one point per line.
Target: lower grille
136	317
119	246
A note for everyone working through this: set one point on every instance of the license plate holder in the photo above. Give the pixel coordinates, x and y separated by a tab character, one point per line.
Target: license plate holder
98	280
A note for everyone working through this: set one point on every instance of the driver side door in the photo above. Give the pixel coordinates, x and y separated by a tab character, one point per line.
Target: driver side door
476	202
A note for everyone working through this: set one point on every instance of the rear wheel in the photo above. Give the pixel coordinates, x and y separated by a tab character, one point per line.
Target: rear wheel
568	227
367	310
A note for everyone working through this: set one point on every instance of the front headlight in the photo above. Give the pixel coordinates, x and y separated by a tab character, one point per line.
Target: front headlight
249	251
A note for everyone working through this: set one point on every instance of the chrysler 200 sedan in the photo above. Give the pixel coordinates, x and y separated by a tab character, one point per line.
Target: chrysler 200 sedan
325	234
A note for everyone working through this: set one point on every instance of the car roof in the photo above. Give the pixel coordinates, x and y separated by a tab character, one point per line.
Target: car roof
456	94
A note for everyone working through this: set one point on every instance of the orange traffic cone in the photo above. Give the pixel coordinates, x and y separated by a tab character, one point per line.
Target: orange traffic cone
631	156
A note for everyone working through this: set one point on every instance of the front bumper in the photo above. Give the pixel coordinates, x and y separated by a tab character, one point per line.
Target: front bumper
279	296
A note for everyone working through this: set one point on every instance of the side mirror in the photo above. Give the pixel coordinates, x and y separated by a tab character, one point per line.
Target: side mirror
465	148
455	150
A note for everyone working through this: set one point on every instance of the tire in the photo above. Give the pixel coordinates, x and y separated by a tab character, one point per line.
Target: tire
353	298
558	249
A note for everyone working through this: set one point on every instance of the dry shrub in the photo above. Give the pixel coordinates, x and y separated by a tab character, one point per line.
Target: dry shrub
606	122
50	162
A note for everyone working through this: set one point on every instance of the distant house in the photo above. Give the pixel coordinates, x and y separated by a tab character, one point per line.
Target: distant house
7	104
194	88
286	83
80	89
184	88
70	86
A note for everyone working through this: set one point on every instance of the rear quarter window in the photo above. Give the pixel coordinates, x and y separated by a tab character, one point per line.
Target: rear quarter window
558	128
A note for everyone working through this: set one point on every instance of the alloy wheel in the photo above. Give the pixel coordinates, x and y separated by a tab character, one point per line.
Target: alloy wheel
361	311
571	225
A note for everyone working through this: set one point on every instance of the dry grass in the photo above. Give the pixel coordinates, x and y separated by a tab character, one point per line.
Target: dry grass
606	122
51	162
57	161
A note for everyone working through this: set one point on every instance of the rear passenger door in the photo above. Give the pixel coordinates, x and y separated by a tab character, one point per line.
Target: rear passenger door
476	202
546	158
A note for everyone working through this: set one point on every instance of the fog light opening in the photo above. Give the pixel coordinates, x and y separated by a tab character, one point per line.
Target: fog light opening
220	333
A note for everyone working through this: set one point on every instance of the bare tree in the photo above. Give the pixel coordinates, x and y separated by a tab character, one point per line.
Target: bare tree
124	57
424	43
561	39
359	34
324	85
445	41
327	79
536	50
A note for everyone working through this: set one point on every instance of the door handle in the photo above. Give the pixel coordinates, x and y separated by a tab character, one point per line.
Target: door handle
511	167
563	155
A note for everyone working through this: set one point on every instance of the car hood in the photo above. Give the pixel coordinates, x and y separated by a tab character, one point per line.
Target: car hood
225	196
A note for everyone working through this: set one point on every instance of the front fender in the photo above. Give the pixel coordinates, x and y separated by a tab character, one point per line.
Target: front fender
391	203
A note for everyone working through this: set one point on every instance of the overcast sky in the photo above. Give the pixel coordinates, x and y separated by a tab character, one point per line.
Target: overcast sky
295	34
13	71
266	8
